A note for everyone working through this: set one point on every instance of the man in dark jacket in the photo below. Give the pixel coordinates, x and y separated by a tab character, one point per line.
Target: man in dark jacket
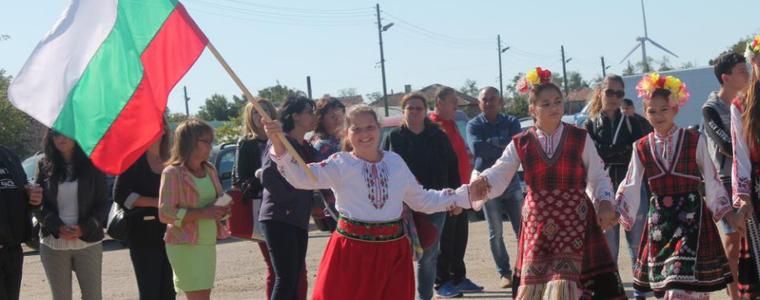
15	221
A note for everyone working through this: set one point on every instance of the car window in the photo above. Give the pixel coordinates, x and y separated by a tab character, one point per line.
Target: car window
226	161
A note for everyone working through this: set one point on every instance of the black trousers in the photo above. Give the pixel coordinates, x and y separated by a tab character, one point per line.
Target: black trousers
11	262
153	272
287	250
453	246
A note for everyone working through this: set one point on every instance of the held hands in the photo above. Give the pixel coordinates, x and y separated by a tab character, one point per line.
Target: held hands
70	232
745	206
606	215
479	189
737	220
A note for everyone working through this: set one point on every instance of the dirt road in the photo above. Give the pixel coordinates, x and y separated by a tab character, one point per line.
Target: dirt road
241	271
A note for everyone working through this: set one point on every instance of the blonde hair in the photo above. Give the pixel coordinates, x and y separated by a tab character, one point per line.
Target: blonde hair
597	100
354	112
250	130
186	136
751	113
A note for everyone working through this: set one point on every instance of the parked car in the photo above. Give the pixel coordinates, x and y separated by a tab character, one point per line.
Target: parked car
223	159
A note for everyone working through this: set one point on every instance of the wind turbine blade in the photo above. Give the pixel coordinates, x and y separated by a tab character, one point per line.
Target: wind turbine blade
644	15
629	53
661	47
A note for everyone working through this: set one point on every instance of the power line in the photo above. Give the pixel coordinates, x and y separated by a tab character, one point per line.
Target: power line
438	35
303	10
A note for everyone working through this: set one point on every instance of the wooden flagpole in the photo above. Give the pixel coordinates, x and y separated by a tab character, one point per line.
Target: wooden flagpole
259	109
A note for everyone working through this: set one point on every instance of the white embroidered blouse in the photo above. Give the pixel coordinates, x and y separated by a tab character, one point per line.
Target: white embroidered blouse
371	192
741	172
599	187
666	149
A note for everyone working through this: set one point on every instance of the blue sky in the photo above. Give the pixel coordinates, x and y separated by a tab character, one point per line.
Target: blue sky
447	42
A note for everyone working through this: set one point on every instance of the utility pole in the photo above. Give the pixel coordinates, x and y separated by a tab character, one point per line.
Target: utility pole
380	29
308	86
500	51
187	100
604	68
564	70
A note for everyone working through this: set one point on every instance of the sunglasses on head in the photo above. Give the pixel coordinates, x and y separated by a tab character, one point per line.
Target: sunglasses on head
614	93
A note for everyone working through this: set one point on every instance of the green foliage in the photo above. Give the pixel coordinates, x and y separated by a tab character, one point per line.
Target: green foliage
229	131
470	88
737	48
278	93
517	107
216	108
13	123
176	118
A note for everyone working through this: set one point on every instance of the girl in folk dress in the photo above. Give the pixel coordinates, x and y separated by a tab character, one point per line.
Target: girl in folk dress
368	256
680	256
562	253
745	177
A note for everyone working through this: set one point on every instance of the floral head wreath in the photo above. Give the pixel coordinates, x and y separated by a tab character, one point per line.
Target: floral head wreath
753	48
651	82
533	78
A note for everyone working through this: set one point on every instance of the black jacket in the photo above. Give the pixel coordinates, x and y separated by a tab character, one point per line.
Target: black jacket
429	155
15	212
143	226
602	131
248	159
282	202
92	197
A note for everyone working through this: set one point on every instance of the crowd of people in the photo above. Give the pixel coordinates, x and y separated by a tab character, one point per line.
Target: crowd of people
401	200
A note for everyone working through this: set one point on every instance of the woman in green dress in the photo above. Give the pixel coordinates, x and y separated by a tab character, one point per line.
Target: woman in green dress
189	188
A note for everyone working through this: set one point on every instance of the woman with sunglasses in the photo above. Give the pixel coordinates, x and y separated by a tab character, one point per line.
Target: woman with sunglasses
614	134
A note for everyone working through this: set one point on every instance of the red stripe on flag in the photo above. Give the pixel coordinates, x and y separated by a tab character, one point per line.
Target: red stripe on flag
171	53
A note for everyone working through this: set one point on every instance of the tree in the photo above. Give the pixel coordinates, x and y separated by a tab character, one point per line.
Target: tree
278	93
175	118
665	65
470	88
229	131
629	69
374	96
737	48
216	108
515	104
348	92
13	123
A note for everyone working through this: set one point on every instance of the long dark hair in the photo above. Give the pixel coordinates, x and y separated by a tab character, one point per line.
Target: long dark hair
53	165
597	102
293	105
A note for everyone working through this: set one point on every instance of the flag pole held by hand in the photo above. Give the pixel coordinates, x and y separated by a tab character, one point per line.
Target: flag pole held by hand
260	110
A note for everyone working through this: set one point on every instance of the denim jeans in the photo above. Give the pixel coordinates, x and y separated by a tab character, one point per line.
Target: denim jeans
426	266
509	204
633	237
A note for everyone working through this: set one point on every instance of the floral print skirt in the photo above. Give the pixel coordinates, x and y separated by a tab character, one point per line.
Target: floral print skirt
680	248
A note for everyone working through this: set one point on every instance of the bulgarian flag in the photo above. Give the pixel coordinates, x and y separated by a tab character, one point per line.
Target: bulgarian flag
103	73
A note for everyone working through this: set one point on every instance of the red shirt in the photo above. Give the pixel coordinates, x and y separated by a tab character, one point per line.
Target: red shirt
450	128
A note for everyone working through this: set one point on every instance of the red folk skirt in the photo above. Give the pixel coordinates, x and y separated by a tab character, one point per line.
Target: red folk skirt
369	261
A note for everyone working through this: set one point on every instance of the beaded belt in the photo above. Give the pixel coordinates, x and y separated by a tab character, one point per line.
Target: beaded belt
370	232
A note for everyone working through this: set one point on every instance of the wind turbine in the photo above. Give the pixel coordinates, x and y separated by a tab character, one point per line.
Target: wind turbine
642	43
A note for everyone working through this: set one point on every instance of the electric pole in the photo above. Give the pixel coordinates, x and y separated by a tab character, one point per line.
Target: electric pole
187	100
500	51
308	86
380	29
564	70
604	68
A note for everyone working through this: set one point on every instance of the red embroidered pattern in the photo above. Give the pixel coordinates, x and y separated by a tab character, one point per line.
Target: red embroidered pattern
376	177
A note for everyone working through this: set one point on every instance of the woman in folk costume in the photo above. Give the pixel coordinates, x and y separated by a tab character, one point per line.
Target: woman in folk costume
681	255
562	253
368	256
745	132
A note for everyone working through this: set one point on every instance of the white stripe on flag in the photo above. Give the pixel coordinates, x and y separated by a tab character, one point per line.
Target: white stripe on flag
55	66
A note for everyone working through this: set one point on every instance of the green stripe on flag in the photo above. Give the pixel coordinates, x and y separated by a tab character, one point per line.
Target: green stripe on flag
113	74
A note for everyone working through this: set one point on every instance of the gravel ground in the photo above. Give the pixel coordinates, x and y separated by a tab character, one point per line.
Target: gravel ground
241	272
